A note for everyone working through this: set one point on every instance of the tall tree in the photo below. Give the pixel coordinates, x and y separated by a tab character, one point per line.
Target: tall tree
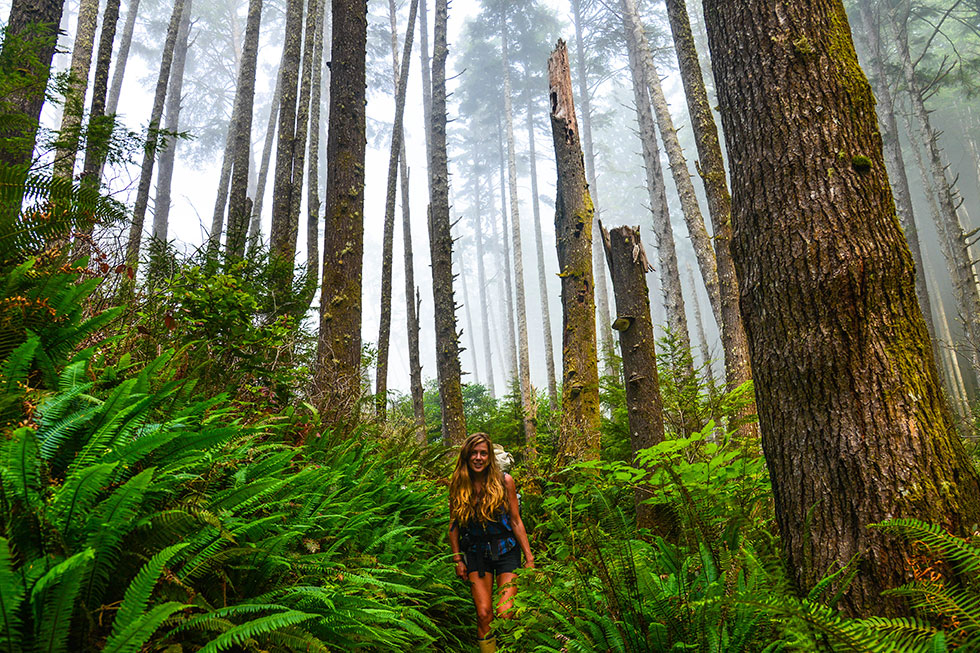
504	244
238	204
628	266
441	244
598	262
395	155
843	368
165	174
527	398
153	135
254	228
338	373
313	171
81	61
711	167
32	30
122	57
99	127
477	212
579	429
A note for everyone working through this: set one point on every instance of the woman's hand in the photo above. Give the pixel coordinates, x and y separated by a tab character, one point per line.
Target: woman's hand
529	562
461	569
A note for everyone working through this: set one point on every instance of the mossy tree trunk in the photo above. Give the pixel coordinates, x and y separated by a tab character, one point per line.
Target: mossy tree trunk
74	107
628	267
239	206
35	24
711	167
338	373
528	405
99	127
441	244
598	262
396	154
579	429
854	426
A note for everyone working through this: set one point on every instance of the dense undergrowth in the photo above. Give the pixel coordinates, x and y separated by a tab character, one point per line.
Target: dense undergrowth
165	486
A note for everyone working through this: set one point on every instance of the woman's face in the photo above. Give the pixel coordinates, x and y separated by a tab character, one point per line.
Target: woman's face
479	458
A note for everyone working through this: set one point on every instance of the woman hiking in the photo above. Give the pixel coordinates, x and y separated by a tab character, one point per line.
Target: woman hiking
487	534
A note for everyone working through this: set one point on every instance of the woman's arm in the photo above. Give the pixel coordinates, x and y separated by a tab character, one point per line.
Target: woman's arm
454	543
514	511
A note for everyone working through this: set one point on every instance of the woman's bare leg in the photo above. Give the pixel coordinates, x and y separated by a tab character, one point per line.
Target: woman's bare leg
482	589
507	587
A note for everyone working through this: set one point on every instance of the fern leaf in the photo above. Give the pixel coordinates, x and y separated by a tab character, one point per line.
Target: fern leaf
53	598
132	638
138	593
18	364
964	556
21	469
250	629
11	596
78	494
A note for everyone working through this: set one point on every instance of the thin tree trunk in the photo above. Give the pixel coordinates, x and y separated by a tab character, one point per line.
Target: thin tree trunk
598	261
224	184
122	57
549	348
74	106
579	429
282	243
957	389
238	202
153	135
426	76
387	255
466	312
712	171
670	275
99	127
699	327
441	245
644	407
513	370
951	230
854	425
255	227
338	373
527	399
36	23
313	172
165	174
482	281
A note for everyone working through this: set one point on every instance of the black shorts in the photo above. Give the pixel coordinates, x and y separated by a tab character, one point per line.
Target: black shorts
508	563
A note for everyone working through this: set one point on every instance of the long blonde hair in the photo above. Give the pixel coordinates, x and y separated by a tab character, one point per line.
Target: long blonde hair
464	504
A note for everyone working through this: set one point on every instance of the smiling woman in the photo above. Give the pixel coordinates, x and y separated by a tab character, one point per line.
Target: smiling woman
485	532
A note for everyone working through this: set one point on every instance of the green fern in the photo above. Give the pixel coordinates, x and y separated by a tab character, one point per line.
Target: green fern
12	595
240	634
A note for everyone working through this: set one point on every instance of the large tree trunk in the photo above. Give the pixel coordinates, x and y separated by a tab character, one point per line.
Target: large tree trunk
149	154
711	166
125	42
549	347
74	107
504	244
952	237
598	262
579	429
282	242
238	203
482	281
338	374
670	275
441	245
165	175
395	155
528	408
628	266
255	227
854	426
35	24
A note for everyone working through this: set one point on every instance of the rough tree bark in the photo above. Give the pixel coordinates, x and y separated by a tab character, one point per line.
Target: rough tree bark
549	347
282	239
628	267
152	137
338	374
579	429
598	262
125	42
854	426
168	157
35	23
441	244
74	107
528	407
711	167
238	202
388	247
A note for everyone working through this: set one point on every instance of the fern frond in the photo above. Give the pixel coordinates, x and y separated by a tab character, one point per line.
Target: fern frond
78	494
138	593
21	468
132	637
964	557
11	596
240	634
53	598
